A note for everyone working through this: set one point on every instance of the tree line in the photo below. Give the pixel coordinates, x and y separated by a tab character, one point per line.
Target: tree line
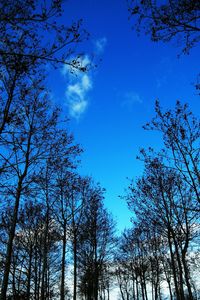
159	255
47	209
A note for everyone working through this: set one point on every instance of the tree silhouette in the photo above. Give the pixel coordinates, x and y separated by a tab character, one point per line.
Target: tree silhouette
164	21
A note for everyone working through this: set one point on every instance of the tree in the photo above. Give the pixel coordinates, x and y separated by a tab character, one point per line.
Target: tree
32	37
25	140
77	205
167	20
68	210
28	255
137	263
23	146
26	147
23	25
168	192
180	131
57	183
28	232
164	197
95	244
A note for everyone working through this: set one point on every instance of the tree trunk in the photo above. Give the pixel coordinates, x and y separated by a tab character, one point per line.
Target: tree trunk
173	268
75	266
62	288
108	292
137	288
180	268
14	278
29	272
142	288
145	287
45	252
187	277
121	291
10	243
8	104
133	285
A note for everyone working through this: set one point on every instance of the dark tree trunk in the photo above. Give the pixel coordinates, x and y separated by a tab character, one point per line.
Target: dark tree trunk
8	104
173	268
29	272
62	288
187	277
75	266
180	268
145	287
45	253
10	243
137	288
121	291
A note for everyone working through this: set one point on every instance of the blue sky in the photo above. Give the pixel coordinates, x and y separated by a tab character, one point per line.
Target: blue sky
109	105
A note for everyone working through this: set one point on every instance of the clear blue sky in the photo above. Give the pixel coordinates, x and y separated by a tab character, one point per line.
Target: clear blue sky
110	104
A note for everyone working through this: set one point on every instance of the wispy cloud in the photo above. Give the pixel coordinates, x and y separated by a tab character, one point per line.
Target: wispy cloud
76	95
100	45
80	83
130	98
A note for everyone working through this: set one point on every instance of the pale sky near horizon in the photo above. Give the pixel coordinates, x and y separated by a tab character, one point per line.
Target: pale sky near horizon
109	105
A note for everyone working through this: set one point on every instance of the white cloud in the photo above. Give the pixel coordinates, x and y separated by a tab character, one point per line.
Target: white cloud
80	83
77	108
86	82
76	95
100	45
130	98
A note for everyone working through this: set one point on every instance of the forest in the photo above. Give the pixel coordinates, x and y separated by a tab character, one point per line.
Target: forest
58	240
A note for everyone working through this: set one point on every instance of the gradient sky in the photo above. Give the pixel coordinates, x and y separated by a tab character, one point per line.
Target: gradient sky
109	105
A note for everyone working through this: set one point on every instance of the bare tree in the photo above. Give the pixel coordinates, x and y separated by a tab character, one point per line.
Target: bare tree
164	197
32	37
164	21
25	144
95	244
180	130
